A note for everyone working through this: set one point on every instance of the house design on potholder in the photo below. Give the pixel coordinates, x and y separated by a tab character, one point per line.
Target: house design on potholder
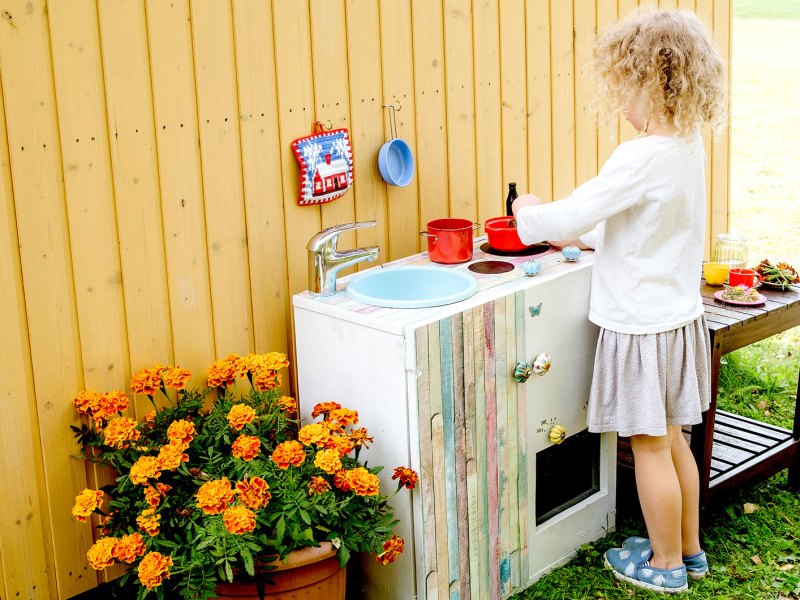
326	166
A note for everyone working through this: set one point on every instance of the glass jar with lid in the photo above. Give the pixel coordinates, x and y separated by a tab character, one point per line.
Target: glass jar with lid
730	249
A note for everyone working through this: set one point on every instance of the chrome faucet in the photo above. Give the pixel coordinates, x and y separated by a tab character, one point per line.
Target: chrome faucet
325	261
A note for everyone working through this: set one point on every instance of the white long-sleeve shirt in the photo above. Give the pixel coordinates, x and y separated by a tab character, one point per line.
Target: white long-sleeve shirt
644	214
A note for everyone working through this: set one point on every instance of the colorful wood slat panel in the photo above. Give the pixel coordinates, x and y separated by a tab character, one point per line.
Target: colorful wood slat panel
473	467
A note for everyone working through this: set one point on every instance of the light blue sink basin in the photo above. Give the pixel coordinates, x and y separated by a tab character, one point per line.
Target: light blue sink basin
412	287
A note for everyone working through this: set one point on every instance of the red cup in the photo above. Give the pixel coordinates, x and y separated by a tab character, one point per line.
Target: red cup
745	277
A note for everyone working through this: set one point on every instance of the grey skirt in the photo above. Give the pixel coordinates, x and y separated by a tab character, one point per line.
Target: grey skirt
642	383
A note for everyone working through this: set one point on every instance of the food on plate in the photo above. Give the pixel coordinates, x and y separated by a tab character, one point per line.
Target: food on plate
740	293
782	274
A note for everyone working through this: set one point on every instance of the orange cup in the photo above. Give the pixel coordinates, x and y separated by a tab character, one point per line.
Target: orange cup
745	277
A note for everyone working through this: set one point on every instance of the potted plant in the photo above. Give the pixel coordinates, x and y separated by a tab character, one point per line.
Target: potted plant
224	483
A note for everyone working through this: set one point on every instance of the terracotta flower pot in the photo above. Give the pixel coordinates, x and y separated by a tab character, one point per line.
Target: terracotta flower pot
307	574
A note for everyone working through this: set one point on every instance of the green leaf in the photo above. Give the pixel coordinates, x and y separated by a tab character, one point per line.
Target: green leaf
247	559
280	529
305	517
228	571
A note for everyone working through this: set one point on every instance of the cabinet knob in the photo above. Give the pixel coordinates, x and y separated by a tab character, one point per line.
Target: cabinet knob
522	371
541	364
558	434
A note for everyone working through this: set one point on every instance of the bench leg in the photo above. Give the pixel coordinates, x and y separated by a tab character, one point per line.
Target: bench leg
794	469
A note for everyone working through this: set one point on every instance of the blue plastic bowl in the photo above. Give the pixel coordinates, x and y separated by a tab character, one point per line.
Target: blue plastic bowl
396	163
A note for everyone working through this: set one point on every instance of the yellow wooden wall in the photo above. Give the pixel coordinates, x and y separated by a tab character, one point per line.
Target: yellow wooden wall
147	189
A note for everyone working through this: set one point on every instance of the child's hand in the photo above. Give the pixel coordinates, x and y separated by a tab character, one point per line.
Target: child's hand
562	243
525	200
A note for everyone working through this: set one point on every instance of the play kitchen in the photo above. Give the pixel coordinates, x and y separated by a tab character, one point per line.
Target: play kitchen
485	397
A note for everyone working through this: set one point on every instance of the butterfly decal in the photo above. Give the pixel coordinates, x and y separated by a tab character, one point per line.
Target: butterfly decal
535	310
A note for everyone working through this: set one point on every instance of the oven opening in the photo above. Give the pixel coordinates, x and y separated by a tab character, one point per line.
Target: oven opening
566	474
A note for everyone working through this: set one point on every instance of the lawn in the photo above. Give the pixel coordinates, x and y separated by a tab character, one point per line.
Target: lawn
753	541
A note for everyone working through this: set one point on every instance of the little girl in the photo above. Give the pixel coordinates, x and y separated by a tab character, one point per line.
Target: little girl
644	214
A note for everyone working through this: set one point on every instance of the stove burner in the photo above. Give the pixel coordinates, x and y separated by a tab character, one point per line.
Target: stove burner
529	251
491	267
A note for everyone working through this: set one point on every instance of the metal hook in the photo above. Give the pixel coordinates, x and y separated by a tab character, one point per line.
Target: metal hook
398	108
328	125
393	118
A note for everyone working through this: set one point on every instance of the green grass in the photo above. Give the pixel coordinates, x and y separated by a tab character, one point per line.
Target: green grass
766	9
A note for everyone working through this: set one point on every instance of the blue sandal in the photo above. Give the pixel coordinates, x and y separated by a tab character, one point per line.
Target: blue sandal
630	566
696	564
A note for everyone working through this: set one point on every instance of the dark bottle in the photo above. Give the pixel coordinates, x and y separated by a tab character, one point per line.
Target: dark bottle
512	194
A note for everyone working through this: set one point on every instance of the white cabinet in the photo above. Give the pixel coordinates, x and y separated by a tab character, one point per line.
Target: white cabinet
498	504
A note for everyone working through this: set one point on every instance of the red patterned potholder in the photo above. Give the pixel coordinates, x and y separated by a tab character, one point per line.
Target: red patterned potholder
326	165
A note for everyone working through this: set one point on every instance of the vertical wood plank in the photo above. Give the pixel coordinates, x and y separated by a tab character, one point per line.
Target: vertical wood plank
481	461
461	151
563	98
45	257
512	431
492	466
262	183
460	448
585	118
705	10
608	128
470	450
522	429
721	155
626	130
429	88
488	142
180	183
513	93
540	132
502	441
134	165
397	60
23	520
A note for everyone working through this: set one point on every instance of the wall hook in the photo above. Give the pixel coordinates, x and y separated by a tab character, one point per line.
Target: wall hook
398	108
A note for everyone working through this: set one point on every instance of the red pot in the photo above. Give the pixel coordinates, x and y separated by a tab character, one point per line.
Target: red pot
502	237
450	240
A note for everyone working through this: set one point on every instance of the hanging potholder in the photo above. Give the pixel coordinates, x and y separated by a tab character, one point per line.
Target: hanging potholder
326	165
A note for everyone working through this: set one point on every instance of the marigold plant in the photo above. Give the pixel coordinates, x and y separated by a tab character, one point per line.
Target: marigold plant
221	481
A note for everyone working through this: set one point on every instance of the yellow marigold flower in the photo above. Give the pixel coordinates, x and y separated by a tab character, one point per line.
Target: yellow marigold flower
86	402
148	521
253	493
176	378
288	404
146	381
129	547
100	555
246	447
264	381
171	456
328	461
181	433
341	443
120	431
152	496
275	361
315	433
85	504
240	415
288	453
318	485
392	548
341	417
407	477
153	569
221	372
342	481
239	520
323	408
147	467
360	438
214	496
112	403
362	482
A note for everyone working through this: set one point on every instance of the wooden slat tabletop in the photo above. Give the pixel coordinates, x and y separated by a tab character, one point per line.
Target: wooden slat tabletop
721	316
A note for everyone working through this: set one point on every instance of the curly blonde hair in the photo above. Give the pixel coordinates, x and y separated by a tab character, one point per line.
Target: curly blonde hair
665	62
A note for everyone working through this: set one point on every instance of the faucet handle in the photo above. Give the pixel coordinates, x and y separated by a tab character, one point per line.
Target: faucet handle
332	233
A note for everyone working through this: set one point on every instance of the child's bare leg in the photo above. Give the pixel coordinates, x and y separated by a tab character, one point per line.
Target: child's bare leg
660	498
686	469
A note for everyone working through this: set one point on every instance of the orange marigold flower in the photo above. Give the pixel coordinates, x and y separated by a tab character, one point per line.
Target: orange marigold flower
323	408
147	467
100	555
214	496
129	547
163	488
153	569
176	378
341	481
362	482
148	521
318	485
288	403
246	447
181	433
240	415
239	520
328	461
392	548
152	496
341	417
114	402
221	372
150	417
120	431
360	438
146	381
86	402
275	360
289	453
253	493
171	456
315	433
341	443
407	477
85	504
264	381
